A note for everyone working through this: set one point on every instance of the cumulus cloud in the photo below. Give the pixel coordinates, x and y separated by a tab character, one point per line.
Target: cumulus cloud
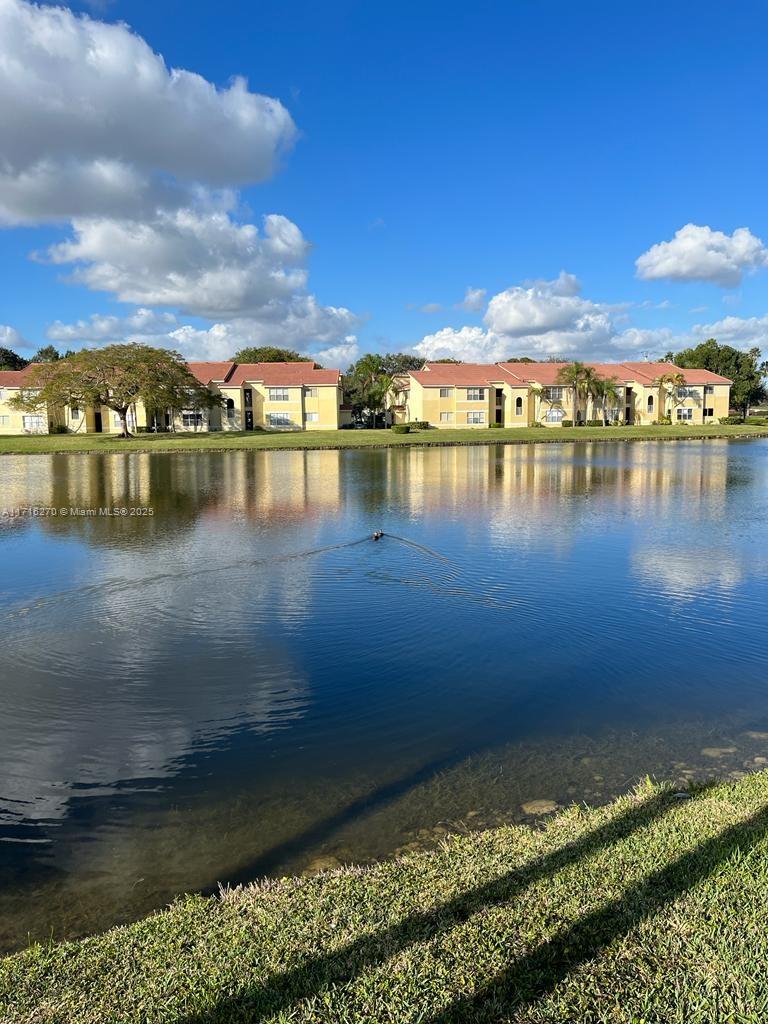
697	253
93	122
544	319
474	300
743	333
11	338
201	262
301	323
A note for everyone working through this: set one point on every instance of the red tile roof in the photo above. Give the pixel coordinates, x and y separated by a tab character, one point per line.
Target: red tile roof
16	378
207	372
458	374
283	374
649	372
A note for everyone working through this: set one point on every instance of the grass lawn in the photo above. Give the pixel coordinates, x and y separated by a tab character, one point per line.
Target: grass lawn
236	441
653	909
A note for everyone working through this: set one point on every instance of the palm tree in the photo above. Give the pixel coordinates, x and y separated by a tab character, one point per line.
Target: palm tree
373	381
668	383
605	390
573	375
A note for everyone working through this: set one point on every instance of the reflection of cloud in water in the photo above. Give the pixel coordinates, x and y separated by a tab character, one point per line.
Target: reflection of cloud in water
686	575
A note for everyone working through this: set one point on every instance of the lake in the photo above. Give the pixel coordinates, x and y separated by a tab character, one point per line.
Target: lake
242	683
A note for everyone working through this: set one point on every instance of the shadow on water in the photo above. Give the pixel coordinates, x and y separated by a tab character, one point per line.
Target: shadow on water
530	976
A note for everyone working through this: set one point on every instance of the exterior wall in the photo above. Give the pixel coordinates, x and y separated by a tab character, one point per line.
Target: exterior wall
12	421
427	404
511	396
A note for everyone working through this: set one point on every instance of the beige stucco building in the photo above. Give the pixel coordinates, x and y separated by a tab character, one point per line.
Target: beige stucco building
467	395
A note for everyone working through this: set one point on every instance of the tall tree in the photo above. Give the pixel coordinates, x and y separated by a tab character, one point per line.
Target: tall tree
46	354
447	359
743	368
573	375
116	376
401	362
10	361
605	390
669	384
267	354
367	384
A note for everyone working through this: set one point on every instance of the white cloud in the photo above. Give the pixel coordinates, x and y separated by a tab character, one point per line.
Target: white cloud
542	308
430	307
11	338
93	122
697	253
201	262
341	355
474	300
743	333
545	319
144	322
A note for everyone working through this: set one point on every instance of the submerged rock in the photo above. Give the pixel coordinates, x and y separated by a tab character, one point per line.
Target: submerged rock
718	751
539	807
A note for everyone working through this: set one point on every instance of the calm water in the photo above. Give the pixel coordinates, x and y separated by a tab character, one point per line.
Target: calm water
242	684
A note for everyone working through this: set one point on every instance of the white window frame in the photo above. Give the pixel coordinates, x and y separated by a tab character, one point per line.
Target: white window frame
74	412
554	415
2	394
553	394
686	392
191	418
519	406
279	395
5	421
445	392
709	389
312	417
684	414
709	411
475	417
446	417
310	392
279	419
33	428
476	394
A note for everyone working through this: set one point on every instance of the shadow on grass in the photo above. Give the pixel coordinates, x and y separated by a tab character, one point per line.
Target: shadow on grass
315	974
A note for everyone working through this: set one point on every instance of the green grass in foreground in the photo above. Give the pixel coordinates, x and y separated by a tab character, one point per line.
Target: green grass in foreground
653	909
356	438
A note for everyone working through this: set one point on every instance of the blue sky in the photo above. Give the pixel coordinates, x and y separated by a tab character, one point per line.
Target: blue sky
426	149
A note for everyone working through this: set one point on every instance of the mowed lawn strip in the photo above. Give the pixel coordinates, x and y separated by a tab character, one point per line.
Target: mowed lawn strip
651	909
324	439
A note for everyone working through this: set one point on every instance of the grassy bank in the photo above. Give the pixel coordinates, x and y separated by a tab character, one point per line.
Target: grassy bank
320	439
649	910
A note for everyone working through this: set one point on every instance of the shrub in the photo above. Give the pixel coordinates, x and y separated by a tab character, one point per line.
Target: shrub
401	428
595	423
756	421
419	424
58	428
537	423
491	426
663	421
566	423
732	419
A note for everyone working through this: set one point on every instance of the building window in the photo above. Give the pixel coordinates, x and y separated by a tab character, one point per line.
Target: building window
445	392
446	417
650	404
248	398
279	419
310	392
518	407
554	415
278	394
230	408
476	417
312	417
2	394
5	421
684	414
709	389
475	394
553	395
191	419
75	412
33	423
709	412
687	393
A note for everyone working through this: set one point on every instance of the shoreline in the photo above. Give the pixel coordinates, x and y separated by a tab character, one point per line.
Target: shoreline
62	444
548	922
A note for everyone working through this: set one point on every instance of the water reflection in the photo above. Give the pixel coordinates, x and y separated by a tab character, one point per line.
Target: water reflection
232	685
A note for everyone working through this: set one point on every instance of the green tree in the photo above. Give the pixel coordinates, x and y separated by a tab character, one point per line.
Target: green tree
10	361
519	359
575	376
267	354
743	368
668	384
605	390
116	376
367	384
401	362
447	359
46	354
